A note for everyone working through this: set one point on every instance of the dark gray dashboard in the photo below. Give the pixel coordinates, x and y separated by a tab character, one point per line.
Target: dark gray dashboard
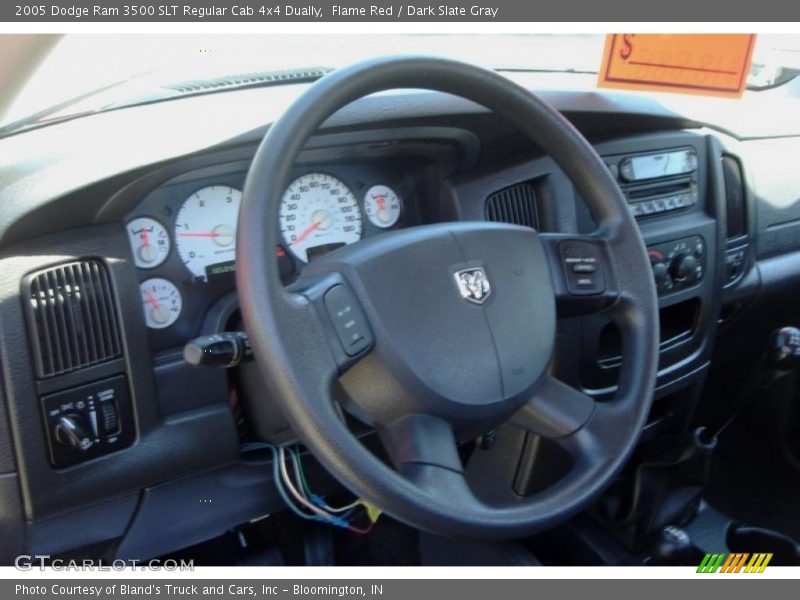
61	200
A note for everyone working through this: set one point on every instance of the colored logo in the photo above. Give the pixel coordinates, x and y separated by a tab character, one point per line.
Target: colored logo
735	563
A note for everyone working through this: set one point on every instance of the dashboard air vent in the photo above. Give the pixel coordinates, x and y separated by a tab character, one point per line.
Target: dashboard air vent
515	205
73	317
734	197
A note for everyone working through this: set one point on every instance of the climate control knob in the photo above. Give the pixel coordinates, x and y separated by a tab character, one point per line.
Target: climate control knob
684	268
661	276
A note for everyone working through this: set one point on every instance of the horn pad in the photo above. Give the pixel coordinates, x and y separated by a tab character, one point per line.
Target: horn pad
463	316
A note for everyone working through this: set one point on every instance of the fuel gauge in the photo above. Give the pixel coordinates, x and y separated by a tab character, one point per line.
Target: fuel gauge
382	206
150	242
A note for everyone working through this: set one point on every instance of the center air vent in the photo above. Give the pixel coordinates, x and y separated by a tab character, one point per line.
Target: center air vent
73	318
515	205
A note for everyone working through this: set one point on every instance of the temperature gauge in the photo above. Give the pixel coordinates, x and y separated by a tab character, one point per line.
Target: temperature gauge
161	301
149	241
382	206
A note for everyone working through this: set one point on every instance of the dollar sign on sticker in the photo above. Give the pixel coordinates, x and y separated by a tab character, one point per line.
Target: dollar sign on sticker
627	46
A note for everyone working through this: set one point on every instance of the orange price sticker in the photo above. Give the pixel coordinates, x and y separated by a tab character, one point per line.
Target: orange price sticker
704	64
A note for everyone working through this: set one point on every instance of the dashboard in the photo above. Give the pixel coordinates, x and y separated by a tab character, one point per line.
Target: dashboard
183	233
100	226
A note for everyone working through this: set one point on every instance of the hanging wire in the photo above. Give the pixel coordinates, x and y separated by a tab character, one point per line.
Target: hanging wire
300	499
294	453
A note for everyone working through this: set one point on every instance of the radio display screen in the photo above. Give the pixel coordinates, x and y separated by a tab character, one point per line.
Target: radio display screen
652	166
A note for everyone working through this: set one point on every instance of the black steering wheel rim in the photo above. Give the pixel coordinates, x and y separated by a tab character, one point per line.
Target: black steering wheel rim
300	370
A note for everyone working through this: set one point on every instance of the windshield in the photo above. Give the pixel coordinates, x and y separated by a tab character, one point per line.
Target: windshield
89	73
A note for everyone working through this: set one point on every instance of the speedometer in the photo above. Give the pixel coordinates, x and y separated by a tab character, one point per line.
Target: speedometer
205	228
318	214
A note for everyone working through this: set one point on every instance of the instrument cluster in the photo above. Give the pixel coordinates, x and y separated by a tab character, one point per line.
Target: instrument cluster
183	235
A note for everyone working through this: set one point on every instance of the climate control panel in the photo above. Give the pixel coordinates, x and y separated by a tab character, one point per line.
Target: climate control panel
678	264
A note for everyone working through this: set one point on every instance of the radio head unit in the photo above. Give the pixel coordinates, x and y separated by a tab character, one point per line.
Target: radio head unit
657	166
657	182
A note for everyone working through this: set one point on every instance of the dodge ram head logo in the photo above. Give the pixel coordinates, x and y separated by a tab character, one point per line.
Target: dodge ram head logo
473	285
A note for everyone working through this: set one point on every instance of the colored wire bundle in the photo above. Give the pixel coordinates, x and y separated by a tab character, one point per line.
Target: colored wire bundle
298	496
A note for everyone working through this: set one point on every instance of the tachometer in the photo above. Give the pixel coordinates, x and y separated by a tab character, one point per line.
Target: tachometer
205	228
318	214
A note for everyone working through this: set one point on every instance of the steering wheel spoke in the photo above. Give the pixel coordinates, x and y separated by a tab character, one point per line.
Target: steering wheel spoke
583	273
586	430
341	317
424	450
555	410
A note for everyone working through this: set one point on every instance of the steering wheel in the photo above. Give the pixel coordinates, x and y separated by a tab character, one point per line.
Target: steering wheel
437	333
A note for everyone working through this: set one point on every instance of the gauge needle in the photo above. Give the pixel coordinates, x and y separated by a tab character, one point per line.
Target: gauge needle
381	202
145	237
151	298
314	226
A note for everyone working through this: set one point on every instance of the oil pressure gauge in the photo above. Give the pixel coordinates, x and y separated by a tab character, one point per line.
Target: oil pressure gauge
161	301
149	241
382	206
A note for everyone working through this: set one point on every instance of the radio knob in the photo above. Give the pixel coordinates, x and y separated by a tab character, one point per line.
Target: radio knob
684	267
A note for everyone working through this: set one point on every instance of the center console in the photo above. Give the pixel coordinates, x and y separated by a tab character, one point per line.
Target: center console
672	185
675	188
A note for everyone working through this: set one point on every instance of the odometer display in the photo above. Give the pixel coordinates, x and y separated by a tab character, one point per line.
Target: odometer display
318	210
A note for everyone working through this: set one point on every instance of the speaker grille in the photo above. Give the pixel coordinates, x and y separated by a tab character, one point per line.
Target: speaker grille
515	205
73	317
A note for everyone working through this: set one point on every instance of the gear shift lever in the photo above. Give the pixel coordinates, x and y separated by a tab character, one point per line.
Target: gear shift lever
673	546
784	350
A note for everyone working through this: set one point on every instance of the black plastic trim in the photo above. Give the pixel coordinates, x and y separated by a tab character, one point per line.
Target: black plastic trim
164	449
